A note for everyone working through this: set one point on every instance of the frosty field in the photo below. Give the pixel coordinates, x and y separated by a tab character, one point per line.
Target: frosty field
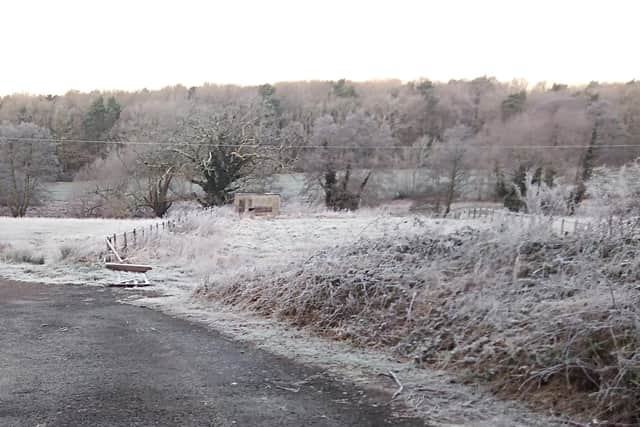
61	250
439	301
47	249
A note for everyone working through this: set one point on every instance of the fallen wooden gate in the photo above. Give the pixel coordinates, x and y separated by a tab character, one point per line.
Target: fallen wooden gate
126	267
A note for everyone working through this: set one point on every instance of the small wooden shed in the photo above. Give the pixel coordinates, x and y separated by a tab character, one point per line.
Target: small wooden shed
258	204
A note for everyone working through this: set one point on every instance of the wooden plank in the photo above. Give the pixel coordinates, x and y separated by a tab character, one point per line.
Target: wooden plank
136	268
113	249
127	285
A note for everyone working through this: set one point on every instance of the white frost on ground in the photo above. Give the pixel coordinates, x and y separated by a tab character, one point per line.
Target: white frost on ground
58	243
218	245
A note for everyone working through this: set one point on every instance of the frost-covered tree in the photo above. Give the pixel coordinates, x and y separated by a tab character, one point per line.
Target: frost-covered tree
614	191
450	160
542	195
27	160
343	157
508	121
220	148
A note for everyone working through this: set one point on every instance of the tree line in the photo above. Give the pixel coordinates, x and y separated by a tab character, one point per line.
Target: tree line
139	146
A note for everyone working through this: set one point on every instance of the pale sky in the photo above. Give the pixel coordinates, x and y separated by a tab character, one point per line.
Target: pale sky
51	46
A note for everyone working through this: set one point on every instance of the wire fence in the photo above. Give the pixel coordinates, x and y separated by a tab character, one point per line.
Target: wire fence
559	225
140	236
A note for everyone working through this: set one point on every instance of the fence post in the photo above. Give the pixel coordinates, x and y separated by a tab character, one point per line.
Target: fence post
610	225
114	241
108	240
125	239
562	228
135	240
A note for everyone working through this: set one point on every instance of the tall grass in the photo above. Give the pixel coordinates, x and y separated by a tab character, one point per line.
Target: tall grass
551	320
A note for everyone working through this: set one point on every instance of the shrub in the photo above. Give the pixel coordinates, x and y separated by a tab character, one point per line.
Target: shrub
526	311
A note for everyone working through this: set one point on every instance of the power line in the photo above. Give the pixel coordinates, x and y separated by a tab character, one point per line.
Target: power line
7	140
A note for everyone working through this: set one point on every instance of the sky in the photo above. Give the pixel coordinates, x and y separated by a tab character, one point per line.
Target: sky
55	46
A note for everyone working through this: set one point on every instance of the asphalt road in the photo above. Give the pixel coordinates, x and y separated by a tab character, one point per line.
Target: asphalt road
74	356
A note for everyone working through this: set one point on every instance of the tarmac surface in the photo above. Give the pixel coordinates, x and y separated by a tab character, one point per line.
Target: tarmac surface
74	356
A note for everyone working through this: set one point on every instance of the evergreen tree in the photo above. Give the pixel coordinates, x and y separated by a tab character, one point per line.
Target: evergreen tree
514	104
97	123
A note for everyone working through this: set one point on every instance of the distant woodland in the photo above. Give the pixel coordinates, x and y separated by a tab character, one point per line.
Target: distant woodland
337	133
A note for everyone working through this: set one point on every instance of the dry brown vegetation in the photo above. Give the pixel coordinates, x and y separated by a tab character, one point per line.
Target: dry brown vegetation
550	320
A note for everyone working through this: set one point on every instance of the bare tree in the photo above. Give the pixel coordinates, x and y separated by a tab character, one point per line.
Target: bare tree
157	195
416	159
27	160
515	128
450	160
343	157
606	128
152	171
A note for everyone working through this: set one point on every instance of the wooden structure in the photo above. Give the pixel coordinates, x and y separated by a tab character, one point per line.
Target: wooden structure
258	204
125	267
133	268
